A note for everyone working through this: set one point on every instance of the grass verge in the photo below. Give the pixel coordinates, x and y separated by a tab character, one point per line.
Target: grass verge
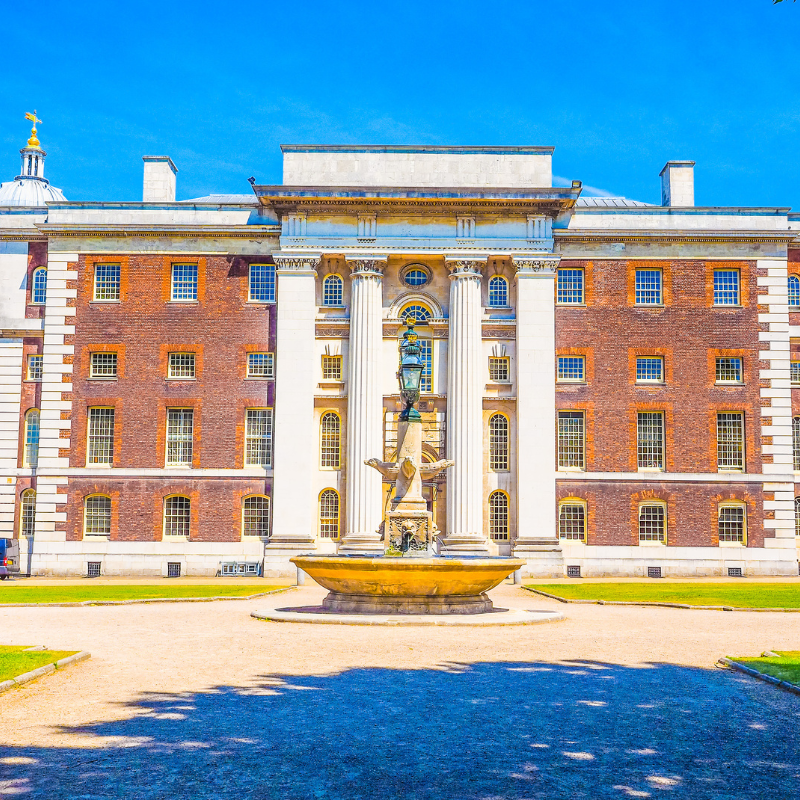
105	592
744	595
785	668
13	661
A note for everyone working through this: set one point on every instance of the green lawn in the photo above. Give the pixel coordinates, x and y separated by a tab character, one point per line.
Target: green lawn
737	595
19	593
786	668
14	662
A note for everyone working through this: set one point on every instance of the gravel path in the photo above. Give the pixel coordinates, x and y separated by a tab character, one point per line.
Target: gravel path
200	700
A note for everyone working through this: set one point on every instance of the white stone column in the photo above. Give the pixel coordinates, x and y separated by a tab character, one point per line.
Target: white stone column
465	382
536	403
294	508
363	505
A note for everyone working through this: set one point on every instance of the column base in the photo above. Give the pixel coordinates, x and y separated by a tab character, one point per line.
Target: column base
361	544
539	544
464	544
277	545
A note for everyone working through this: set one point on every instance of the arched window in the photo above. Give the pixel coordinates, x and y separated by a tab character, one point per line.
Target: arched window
27	513
39	290
572	520
416	312
794	290
330	440
498	291
498	443
30	456
329	514
797	516
255	516
332	291
498	516
177	516
97	515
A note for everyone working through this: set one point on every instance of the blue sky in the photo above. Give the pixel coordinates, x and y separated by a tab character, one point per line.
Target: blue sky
617	87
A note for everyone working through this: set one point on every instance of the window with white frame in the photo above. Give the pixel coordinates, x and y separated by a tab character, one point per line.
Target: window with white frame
103	365
261	283
258	437
332	291
794	373
498	443
97	515
417	312
649	369
177	516
34	372
255	516
572	520
39	286
650	439
796	444
726	287
499	369
648	289
260	365
498	291
30	456
27	513
732	523
331	368
180	437
653	522
794	290
416	277
730	441
100	436
729	369
569	287
106	282
571	440
181	366
797	516
426	356
329	514
571	369
184	282
498	516
330	441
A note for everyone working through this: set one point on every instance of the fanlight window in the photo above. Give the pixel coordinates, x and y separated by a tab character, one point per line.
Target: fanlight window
332	288
416	312
498	291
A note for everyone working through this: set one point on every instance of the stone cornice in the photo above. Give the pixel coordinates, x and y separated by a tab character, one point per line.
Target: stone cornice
671	236
21	235
159	231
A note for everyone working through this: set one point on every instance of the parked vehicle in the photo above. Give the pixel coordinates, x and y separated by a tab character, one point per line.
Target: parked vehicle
9	558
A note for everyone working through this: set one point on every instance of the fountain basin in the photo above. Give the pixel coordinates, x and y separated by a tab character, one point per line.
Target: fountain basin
367	585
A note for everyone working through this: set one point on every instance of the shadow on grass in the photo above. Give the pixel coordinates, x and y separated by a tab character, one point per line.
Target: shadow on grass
488	730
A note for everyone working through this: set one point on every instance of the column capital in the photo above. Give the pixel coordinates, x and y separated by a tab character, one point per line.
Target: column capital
363	267
526	266
465	267
295	263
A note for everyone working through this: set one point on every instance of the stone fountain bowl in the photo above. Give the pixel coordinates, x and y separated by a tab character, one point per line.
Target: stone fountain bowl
382	585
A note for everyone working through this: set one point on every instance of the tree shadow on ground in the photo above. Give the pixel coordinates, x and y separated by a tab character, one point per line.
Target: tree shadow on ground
486	730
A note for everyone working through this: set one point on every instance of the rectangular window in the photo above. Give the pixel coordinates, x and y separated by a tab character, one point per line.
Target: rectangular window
34	368
100	445
653	523
258	437
426	355
571	440
730	440
648	287
796	446
180	437
649	369
97	516
106	282
571	369
260	365
499	369
726	287
569	288
794	373
650	439
331	368
731	526
729	370
572	521
181	365
261	283
184	282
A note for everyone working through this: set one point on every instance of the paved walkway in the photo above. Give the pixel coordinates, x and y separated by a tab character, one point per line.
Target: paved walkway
202	701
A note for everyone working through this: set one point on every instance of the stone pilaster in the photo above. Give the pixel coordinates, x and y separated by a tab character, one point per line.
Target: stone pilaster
363	506
465	534
294	514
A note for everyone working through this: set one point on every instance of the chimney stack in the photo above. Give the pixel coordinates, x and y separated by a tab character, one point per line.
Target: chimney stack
677	184
159	179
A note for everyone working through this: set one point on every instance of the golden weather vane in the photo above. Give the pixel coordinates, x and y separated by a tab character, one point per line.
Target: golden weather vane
33	141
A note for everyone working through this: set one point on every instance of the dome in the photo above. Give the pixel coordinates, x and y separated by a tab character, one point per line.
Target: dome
28	192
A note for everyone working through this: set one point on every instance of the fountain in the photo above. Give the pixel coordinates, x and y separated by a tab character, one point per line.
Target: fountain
411	577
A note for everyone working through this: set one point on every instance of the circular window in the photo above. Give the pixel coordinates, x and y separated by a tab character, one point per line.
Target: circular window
416	277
